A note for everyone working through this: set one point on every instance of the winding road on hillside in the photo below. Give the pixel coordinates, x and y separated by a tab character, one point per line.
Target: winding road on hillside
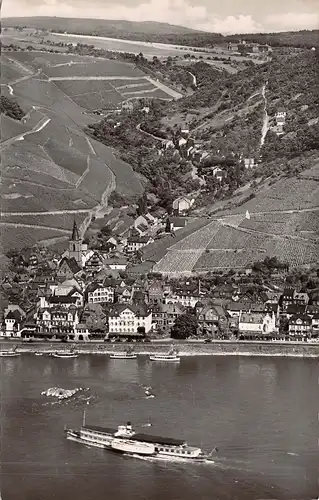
265	126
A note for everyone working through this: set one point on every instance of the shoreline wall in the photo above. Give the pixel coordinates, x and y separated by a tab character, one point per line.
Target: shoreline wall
185	349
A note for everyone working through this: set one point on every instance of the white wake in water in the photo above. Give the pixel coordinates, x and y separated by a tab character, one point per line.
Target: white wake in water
59	393
76	397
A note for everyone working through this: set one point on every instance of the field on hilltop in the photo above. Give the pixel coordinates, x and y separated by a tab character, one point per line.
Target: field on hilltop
90	83
51	171
280	222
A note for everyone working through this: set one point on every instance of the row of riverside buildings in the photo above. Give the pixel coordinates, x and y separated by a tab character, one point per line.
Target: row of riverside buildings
109	307
83	295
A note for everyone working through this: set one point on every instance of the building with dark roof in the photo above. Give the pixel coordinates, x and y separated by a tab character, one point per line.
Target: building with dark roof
135	243
129	320
68	268
300	325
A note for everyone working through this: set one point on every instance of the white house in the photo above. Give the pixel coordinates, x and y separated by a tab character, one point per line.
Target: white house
183	204
187	300
12	323
281	116
257	323
182	141
116	263
169	144
249	163
128	319
135	243
218	173
100	293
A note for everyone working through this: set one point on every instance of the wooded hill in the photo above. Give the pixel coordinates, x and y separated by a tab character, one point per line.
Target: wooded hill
149	31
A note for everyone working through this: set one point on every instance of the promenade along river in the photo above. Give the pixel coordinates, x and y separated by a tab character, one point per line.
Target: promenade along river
260	412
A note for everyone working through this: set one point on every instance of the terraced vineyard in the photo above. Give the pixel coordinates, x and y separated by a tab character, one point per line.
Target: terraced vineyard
94	67
228	237
287	194
61	221
283	224
12	237
198	240
48	163
181	262
222	259
287	227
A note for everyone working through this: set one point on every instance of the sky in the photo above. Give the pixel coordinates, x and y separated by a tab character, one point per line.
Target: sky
226	16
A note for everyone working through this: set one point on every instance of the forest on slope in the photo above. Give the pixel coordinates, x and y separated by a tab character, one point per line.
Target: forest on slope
227	113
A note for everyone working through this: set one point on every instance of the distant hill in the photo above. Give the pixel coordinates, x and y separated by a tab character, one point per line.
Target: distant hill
303	38
99	27
150	31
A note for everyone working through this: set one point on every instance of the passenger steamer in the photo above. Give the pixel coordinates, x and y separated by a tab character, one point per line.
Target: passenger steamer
126	441
65	354
172	355
129	354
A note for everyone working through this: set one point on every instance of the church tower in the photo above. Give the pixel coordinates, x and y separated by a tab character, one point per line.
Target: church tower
75	245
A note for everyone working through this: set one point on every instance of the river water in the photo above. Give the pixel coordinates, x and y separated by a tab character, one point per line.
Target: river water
260	412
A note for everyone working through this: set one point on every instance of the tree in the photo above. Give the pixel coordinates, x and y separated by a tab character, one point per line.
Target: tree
185	326
11	108
168	226
142	205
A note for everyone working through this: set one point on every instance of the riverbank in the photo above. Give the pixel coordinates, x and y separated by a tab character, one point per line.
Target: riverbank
218	348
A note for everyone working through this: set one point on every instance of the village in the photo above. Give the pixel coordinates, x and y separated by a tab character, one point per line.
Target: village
91	295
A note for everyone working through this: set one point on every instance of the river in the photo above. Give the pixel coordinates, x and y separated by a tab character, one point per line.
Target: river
260	412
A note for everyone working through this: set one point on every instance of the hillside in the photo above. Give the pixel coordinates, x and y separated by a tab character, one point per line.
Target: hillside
150	31
99	27
230	118
283	222
51	171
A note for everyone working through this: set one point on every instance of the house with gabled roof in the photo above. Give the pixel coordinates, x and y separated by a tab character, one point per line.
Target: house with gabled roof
211	318
123	295
115	263
94	262
101	293
12	322
177	223
183	204
300	325
135	243
68	268
129	320
165	315
257	323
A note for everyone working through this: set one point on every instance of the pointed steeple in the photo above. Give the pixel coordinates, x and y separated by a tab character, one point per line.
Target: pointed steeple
75	232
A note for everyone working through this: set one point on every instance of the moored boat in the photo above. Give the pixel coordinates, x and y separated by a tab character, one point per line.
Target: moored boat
65	354
9	353
128	442
172	356
129	354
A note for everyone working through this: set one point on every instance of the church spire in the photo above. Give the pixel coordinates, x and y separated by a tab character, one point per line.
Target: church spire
75	232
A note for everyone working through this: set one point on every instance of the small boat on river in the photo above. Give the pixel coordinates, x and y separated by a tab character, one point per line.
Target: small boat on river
128	354
171	356
9	353
65	354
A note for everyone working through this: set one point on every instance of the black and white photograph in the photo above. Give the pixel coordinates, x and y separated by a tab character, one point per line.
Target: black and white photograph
159	250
